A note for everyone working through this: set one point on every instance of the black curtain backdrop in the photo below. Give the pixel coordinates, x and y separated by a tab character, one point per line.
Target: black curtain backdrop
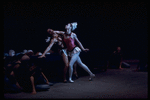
101	25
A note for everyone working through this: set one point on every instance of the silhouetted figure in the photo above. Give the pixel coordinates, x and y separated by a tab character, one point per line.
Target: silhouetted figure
115	60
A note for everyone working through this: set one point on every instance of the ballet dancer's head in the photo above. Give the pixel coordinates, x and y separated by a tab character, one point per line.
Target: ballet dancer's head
70	27
51	33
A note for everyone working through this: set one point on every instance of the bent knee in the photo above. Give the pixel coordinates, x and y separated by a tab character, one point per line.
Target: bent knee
70	66
66	66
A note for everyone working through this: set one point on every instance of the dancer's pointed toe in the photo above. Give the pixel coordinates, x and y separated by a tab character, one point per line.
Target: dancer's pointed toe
71	81
91	77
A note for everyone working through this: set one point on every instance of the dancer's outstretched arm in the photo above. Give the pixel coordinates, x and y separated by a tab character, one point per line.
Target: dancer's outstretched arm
48	48
60	32
57	32
79	43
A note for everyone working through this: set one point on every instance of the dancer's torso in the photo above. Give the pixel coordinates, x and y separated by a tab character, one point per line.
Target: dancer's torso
58	45
69	42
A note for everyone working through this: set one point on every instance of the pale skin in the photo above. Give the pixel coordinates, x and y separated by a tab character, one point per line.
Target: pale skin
75	57
54	40
69	34
74	36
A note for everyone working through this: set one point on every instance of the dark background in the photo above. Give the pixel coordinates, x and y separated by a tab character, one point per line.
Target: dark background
101	25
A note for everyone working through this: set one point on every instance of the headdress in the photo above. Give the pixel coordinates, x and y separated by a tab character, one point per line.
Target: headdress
74	25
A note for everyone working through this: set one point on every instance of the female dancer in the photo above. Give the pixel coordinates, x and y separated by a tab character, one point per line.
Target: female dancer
58	39
73	51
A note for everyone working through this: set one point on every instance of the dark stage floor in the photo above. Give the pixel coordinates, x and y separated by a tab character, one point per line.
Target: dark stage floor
114	83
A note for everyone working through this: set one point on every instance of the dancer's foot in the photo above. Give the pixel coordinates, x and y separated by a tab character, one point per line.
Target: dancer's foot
120	68
71	81
33	92
65	81
50	84
76	75
91	77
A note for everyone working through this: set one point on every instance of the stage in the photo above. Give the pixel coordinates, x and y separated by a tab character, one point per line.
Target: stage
114	83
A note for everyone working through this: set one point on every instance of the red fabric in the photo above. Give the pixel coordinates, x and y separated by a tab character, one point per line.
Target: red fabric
69	43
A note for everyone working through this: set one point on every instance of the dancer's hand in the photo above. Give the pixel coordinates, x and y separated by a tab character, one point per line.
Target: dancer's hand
47	82
48	39
41	56
86	50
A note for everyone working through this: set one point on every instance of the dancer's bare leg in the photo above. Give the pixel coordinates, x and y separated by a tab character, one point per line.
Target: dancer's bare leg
75	69
65	60
33	86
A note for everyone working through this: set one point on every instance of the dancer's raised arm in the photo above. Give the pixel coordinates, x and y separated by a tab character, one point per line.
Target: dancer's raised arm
60	32
74	51
79	43
55	31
